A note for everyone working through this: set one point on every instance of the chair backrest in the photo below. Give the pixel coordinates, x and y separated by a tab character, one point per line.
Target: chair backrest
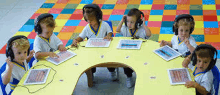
2	69
216	79
110	24
30	63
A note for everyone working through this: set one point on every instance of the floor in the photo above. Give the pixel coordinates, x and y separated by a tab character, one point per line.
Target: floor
15	13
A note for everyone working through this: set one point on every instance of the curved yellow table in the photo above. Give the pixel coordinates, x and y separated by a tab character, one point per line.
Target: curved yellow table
63	78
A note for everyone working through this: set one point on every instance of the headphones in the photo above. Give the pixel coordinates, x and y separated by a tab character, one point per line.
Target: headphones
9	51
182	16
97	10
138	22
205	46
37	27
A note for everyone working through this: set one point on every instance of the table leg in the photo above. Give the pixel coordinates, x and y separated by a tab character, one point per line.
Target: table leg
89	77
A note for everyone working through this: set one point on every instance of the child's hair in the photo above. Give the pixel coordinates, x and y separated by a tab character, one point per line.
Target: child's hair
92	11
21	43
135	12
48	21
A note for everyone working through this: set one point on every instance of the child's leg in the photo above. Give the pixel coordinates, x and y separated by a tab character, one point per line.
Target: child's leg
113	74
129	80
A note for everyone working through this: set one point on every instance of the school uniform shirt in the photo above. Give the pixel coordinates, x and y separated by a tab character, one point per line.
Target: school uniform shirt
102	31
181	46
204	79
140	32
17	73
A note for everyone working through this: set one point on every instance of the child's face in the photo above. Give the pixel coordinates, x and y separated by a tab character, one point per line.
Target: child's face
183	31
46	31
20	55
131	22
202	63
91	20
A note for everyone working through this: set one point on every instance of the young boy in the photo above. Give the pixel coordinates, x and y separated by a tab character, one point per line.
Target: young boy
202	63
182	41
96	28
46	42
134	27
17	51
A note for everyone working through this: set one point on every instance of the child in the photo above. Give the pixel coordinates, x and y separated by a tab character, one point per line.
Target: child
46	42
182	41
202	63
17	51
96	28
134	27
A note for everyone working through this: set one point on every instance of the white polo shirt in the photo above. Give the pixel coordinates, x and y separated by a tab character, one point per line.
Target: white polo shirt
17	73
181	46
102	31
140	32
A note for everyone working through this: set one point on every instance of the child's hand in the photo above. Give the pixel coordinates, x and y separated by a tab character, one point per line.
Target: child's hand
10	64
185	65
31	54
62	48
74	44
108	38
186	41
191	84
53	55
163	43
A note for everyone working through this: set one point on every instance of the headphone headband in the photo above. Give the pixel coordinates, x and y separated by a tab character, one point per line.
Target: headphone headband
97	9
37	27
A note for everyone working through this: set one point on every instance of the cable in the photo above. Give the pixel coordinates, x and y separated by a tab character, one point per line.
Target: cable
45	85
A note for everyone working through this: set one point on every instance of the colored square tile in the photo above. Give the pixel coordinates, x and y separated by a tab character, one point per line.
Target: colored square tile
196	7
122	2
212	38
72	23
196	12
32	35
208	2
105	17
166	37
76	17
55	11
154	30
146	17
115	23
130	6
170	1
170	7
57	28
98	1
217	6
114	29
43	10
199	31
166	30
126	11
47	5
169	12
198	18
110	1
74	1
156	12
78	11
106	11
210	24
198	38
64	35
199	24
168	18
179	12
120	6
68	28
158	1
71	6
118	12
115	17
63	16
69	42
56	33
83	23
183	2
167	24
219	24
3	50
67	11
211	31
195	2
209	12
27	28
146	22
65	41
154	37
155	18
86	1
35	15
108	6
218	18
145	7
62	1
214	44
30	22
154	24
60	22
74	36
183	7
217	2
78	29
146	1
55	16
80	6
22	33
134	2
218	12
146	12
210	18
209	7
59	5
50	1
157	7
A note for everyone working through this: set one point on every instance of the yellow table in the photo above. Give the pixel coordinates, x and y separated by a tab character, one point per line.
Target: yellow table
64	78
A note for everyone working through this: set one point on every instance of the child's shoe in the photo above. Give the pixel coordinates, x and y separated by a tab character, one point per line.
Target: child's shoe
130	82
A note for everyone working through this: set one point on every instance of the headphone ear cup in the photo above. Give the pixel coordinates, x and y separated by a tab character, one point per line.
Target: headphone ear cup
125	21
10	54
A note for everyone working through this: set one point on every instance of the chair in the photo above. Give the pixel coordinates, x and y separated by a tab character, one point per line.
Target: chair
216	79
30	63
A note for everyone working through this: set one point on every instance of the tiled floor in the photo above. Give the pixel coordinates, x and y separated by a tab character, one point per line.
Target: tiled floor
15	13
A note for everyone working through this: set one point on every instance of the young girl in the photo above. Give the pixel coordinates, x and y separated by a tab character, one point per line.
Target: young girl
134	27
182	41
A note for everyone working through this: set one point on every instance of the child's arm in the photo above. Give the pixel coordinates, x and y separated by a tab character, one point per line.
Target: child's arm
163	43
198	87
61	48
31	54
118	30
191	48
147	30
186	61
7	77
109	36
75	41
40	55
